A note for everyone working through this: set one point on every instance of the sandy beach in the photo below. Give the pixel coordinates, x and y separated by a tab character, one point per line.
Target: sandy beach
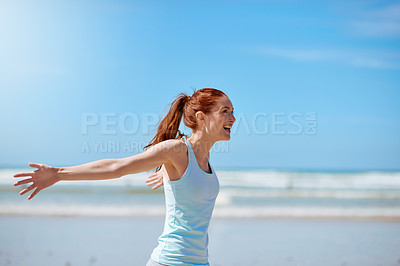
43	240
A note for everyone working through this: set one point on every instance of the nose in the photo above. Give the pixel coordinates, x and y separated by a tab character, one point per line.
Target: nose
233	119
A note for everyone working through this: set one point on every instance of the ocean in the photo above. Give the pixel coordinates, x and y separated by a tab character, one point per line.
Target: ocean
244	193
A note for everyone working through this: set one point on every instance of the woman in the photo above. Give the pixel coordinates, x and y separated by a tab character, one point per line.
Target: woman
191	185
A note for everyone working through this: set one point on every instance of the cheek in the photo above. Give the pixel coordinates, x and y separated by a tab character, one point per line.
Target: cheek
212	126
217	125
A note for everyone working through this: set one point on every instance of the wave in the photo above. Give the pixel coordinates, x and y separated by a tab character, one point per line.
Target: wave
244	193
259	179
310	180
250	184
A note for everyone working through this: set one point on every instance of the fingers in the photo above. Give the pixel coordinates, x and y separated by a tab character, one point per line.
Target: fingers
27	189
23	174
25	181
34	193
35	165
155	179
152	182
152	176
151	179
157	186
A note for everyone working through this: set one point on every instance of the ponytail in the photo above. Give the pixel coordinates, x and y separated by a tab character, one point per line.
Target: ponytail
169	125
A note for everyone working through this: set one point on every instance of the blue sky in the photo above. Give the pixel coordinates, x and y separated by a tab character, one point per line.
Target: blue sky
315	84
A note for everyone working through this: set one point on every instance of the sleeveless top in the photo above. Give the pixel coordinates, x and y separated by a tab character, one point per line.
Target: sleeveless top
189	202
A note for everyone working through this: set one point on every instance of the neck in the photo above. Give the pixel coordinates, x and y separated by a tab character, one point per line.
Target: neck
201	143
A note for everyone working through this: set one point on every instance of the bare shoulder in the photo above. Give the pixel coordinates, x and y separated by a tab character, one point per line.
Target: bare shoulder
174	143
171	144
175	148
168	144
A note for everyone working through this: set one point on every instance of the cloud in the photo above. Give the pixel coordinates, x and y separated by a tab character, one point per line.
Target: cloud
384	22
356	58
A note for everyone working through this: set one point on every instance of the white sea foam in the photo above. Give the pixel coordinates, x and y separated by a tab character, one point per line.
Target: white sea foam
293	180
310	193
221	212
80	210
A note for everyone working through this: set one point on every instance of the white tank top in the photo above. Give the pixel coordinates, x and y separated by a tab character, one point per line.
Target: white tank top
190	202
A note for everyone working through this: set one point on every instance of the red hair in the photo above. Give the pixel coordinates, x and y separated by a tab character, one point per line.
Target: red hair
185	107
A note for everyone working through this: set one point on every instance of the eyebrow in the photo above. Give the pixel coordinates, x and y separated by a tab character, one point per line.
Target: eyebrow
226	107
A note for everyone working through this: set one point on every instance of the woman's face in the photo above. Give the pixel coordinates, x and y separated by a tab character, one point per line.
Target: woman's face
220	119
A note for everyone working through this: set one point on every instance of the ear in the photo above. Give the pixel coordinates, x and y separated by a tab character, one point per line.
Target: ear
200	116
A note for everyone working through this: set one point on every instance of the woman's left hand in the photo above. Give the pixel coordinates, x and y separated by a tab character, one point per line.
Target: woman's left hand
155	179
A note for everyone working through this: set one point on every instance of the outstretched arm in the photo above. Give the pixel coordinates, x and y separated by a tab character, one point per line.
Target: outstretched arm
46	176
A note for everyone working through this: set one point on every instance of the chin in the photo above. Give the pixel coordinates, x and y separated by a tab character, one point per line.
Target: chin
226	138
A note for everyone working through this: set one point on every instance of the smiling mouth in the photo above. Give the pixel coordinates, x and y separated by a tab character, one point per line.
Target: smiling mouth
227	129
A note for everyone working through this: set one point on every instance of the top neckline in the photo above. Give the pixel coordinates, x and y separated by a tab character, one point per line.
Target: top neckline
194	155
